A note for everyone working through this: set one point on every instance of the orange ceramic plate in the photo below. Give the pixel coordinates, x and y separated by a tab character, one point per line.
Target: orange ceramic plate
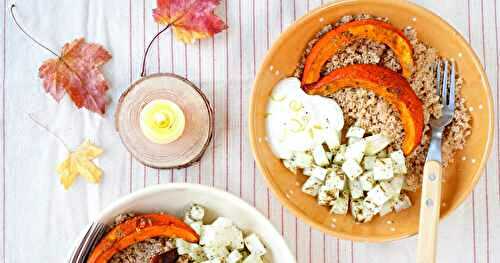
461	176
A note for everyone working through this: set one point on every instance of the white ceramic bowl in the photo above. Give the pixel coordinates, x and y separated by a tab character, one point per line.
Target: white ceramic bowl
175	198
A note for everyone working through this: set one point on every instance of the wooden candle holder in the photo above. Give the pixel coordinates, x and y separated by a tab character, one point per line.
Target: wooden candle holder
198	132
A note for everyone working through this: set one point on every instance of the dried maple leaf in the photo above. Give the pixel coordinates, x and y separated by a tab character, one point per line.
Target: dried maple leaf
77	72
80	162
191	19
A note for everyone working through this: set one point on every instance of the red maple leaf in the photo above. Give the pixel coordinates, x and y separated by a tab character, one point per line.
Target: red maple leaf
191	19
77	72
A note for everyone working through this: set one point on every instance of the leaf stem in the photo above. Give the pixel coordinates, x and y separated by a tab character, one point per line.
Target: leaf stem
27	34
143	72
59	139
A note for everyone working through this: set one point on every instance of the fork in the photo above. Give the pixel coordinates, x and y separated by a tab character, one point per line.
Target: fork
431	185
91	237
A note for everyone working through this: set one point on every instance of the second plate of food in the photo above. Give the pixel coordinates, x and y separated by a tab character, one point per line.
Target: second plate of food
186	223
340	117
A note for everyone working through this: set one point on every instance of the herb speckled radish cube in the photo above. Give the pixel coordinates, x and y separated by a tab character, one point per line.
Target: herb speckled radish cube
369	210
382	169
303	160
194	213
340	205
355	189
197	253
367	181
370	205
356	151
399	162
215	252
357	210
388	189
352	169
254	245
311	186
377	196
339	157
336	180
386	208
222	232
403	202
397	183
319	172
234	257
326	195
368	162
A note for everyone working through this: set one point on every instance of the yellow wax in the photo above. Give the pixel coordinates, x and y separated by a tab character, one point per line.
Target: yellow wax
162	121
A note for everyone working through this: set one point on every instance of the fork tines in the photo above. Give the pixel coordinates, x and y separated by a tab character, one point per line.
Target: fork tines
93	235
445	84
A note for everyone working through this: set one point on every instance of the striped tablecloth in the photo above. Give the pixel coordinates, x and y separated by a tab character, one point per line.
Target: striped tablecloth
39	219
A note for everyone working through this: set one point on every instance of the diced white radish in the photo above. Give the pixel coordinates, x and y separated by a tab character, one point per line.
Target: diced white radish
319	172
332	139
368	162
355	189
367	181
376	143
303	160
352	169
399	162
355	132
356	151
311	186
402	203
382	169
319	155
377	196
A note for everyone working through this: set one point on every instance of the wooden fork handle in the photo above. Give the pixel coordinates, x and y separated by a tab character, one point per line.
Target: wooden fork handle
429	212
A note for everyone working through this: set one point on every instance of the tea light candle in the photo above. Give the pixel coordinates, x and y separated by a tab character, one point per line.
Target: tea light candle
162	121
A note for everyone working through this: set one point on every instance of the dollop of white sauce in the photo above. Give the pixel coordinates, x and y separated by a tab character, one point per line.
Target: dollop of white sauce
296	121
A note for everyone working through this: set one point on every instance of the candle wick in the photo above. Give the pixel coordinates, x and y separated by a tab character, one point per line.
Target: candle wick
161	119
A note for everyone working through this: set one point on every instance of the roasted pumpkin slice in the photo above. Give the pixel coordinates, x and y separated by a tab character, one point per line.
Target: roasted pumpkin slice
345	34
138	229
385	83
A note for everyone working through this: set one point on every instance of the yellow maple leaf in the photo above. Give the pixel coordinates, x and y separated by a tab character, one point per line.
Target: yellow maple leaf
79	162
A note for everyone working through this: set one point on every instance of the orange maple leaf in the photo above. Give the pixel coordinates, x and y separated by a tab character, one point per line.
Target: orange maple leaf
191	19
77	72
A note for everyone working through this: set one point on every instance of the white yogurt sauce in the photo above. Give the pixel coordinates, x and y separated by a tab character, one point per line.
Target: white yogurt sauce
296	121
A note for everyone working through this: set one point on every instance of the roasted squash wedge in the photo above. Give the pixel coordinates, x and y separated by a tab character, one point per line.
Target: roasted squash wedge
343	35
138	229
385	83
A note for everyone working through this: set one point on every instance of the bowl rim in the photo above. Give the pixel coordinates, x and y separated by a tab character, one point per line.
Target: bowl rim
397	4
159	188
